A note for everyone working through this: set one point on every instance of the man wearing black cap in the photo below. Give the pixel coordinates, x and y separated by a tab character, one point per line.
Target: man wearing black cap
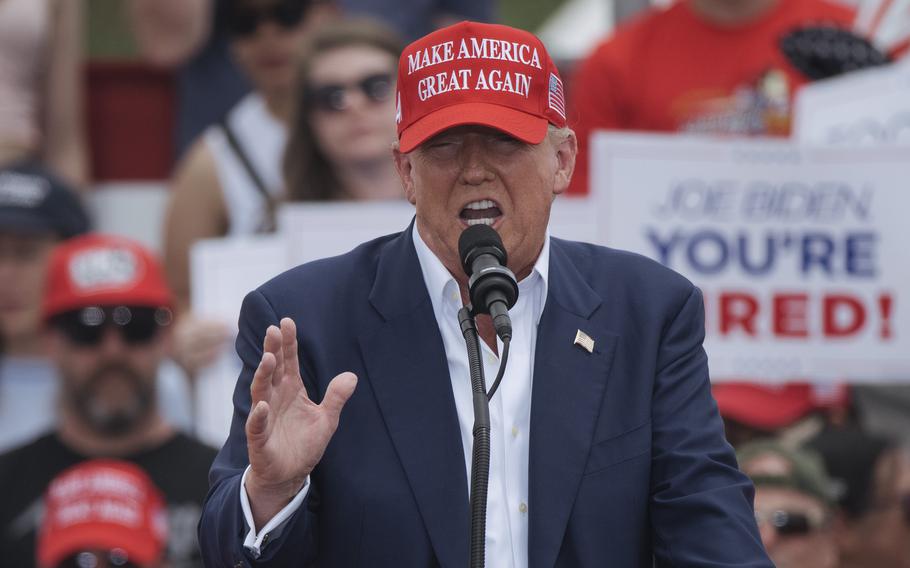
36	211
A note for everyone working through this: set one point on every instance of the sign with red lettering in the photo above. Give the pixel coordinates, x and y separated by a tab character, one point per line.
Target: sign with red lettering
801	252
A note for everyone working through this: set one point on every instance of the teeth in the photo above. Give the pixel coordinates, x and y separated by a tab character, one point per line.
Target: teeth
479	221
482	204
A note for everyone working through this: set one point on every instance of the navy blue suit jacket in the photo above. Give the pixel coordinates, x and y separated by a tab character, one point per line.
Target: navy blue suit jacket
628	462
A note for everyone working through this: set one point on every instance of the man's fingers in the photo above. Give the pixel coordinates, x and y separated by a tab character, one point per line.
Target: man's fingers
289	345
261	386
257	423
340	390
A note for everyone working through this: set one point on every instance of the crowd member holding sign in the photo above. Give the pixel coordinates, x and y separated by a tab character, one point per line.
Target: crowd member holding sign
614	455
704	66
230	179
107	313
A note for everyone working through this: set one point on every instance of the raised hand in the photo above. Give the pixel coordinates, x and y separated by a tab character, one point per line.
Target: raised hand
287	433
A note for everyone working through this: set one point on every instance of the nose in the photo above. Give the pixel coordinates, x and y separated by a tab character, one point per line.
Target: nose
475	168
112	342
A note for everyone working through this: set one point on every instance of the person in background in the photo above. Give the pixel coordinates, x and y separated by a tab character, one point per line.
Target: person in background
230	179
37	210
343	125
102	513
874	472
341	129
41	93
700	66
107	312
794	504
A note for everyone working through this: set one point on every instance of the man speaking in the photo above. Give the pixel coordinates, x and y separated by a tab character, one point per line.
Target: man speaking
607	449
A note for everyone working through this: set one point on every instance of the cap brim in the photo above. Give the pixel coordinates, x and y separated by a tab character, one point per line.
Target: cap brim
103	536
523	126
759	407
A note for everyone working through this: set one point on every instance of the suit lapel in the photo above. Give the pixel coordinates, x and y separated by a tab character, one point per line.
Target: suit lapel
569	384
408	371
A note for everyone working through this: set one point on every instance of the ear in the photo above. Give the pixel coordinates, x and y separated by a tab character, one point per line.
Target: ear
566	150
405	171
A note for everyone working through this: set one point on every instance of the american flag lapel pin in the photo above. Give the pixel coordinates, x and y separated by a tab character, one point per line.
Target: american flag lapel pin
584	341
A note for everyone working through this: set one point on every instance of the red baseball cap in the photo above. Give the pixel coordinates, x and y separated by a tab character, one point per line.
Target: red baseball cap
103	270
473	73
770	407
102	505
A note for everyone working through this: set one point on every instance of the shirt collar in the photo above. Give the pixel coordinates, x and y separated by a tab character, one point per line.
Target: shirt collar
440	282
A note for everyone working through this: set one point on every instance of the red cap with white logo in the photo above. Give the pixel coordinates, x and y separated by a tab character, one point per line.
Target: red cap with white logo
103	270
103	505
473	73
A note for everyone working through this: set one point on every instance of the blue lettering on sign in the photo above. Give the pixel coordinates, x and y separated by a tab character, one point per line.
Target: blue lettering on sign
813	253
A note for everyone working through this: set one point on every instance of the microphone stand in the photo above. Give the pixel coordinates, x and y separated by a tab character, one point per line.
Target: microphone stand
480	458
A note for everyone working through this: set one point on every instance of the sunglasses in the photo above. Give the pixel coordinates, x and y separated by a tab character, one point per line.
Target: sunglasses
789	523
335	98
245	19
137	324
116	557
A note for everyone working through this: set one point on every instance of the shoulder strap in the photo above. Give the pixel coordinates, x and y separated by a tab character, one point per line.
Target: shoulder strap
268	224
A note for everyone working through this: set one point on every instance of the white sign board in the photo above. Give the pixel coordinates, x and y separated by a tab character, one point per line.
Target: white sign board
223	271
801	252
863	108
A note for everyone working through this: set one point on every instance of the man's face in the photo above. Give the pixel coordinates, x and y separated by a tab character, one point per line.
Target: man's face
780	512
472	174
23	263
108	385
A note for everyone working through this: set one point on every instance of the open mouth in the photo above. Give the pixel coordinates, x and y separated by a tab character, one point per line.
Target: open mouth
484	211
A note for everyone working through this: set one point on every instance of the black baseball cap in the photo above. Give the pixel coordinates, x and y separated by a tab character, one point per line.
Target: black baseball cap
35	201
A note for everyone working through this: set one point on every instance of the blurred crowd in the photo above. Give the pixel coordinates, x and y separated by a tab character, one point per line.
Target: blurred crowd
293	101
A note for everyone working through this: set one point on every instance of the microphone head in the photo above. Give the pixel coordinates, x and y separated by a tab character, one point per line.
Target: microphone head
477	240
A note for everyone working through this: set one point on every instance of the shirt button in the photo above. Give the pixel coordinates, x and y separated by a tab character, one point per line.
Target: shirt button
491	359
454	296
522	508
514	431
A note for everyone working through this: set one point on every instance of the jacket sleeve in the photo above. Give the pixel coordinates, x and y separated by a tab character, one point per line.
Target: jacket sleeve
701	504
222	527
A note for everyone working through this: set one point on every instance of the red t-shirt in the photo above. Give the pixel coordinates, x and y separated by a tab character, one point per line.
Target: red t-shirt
671	70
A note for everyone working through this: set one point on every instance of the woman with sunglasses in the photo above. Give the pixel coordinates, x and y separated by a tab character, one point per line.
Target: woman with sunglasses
231	177
337	96
343	122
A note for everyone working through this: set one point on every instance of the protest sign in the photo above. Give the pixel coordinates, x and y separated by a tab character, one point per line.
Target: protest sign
801	252
862	108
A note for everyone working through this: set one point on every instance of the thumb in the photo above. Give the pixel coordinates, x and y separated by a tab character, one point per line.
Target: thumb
340	390
257	423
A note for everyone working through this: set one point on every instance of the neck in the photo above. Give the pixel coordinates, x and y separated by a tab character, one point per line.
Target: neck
279	105
370	180
79	437
732	12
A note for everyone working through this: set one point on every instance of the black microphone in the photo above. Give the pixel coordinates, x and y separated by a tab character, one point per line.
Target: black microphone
493	288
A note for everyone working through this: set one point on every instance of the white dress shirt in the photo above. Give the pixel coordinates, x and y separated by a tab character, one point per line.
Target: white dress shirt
510	408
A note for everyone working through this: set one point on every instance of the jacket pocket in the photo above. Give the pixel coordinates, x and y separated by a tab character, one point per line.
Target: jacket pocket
619	448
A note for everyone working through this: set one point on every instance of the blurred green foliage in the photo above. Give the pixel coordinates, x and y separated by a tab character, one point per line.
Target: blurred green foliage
527	14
